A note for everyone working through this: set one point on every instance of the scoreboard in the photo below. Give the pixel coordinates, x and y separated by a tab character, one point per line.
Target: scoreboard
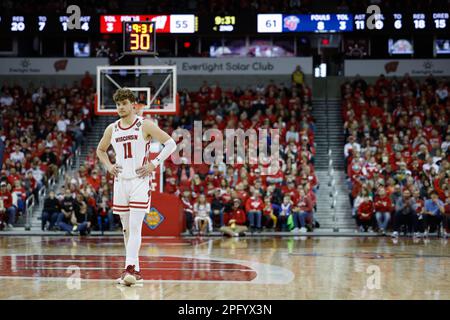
172	23
405	22
45	24
139	38
436	22
278	23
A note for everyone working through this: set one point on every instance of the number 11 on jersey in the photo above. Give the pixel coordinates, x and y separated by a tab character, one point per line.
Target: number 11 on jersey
127	150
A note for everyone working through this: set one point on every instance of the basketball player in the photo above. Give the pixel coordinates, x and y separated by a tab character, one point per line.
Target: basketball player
130	137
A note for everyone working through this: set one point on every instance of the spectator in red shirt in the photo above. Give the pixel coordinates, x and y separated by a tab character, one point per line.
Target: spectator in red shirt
383	208
420	211
364	216
303	210
235	220
87	81
254	207
7	210
446	217
94	180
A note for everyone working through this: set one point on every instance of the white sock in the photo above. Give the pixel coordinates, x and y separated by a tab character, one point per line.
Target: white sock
125	219
135	237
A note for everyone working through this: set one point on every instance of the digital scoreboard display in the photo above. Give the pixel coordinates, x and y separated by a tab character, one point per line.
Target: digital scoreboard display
281	23
224	23
43	23
387	22
403	22
139	38
173	23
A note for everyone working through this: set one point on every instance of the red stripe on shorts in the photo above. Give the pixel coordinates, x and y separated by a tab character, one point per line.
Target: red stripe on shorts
135	202
120	206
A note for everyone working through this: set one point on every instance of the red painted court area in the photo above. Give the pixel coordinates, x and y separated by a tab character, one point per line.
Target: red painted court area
100	267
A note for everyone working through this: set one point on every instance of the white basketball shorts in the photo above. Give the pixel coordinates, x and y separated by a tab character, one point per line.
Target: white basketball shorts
131	195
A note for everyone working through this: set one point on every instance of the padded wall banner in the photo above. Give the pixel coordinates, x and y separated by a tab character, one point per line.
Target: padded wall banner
398	67
165	217
50	66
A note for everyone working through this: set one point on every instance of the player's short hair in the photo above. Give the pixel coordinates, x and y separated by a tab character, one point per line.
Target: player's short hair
123	94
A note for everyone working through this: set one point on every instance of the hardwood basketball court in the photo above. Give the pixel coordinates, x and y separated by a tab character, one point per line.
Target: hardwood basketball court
275	268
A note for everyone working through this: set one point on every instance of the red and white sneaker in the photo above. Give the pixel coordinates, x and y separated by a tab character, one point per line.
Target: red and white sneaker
139	279
127	278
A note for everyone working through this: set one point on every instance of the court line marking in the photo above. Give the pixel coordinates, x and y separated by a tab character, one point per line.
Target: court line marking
113	281
265	273
169	269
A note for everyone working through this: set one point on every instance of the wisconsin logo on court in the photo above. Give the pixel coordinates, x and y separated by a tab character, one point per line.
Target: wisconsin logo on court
153	218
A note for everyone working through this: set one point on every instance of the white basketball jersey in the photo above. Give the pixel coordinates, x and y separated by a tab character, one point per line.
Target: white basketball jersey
130	147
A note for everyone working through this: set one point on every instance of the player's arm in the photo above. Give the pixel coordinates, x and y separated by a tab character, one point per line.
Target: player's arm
150	129
102	152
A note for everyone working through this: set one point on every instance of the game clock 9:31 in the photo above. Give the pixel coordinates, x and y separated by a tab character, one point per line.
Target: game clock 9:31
139	37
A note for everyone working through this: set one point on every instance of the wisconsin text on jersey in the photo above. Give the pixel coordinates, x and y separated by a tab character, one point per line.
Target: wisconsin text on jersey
127	138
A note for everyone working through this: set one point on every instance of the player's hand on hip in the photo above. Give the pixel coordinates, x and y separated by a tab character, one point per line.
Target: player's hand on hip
115	169
145	170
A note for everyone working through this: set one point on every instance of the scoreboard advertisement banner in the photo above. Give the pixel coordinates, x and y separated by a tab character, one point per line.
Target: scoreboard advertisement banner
398	67
235	66
50	66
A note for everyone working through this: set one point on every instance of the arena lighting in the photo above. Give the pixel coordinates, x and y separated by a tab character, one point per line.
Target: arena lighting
325	41
316	72
320	71
323	70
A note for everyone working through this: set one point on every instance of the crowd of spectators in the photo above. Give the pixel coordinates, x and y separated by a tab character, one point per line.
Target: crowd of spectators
84	202
397	153
222	193
219	195
40	128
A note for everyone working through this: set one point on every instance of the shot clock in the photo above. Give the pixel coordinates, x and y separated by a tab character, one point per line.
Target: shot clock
139	37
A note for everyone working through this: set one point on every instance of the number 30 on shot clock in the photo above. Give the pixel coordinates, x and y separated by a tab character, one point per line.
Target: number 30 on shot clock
139	37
